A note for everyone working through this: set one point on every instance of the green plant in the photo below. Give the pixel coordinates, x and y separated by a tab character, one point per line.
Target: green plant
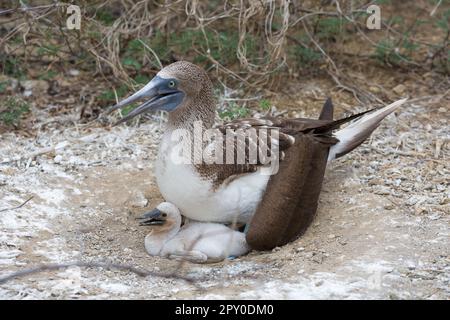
234	111
329	27
48	49
443	23
47	75
108	96
304	55
385	52
105	17
141	79
12	66
3	86
133	51
12	109
265	104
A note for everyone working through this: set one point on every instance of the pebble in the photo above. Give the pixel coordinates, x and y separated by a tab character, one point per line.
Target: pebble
399	89
137	200
375	182
57	159
74	72
34	86
383	190
411	201
374	89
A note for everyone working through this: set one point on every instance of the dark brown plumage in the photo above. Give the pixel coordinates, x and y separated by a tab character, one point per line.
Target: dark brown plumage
290	202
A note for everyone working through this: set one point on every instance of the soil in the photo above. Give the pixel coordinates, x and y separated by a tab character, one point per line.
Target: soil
381	231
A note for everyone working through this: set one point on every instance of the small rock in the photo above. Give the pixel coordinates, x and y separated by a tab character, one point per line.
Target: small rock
416	124
74	72
389	206
331	236
34	86
383	190
319	283
137	200
57	159
412	201
400	89
375	182
374	89
419	210
300	249
54	88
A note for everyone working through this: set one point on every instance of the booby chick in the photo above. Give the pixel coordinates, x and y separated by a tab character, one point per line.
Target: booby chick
226	193
199	242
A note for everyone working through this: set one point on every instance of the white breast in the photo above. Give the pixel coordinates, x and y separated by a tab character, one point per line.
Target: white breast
195	197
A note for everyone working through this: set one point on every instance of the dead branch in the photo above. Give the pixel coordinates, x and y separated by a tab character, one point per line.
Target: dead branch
108	266
19	206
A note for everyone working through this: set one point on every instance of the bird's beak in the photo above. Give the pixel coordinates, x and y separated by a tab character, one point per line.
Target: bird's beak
153	217
157	96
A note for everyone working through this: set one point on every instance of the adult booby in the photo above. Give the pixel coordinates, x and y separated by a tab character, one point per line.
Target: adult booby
231	192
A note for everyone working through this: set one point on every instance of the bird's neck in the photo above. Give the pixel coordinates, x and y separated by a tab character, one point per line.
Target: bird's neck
202	108
157	238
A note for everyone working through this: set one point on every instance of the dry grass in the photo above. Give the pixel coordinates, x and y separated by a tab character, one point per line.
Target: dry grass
256	45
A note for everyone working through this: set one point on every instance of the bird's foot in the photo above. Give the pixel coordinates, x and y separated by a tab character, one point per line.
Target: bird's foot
192	256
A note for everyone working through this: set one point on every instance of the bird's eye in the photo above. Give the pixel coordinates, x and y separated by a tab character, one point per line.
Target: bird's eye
171	84
164	215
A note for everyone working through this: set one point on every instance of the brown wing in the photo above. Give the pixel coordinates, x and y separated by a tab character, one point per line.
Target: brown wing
246	146
290	201
294	191
319	130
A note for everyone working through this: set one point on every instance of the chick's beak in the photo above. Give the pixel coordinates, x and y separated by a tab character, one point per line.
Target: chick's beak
153	217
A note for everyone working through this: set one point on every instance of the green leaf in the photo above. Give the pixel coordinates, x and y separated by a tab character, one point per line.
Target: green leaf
12	109
131	62
264	104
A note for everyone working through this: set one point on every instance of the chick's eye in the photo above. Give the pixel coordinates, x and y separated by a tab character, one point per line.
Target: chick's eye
171	84
164	214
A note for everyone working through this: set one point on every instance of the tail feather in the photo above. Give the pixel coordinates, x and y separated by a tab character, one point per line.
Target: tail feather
327	110
355	133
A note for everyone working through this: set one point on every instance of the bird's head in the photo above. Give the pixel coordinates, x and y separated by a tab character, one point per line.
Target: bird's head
174	87
164	217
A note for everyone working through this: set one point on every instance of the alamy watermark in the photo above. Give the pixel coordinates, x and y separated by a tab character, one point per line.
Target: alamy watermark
74	20
248	146
373	22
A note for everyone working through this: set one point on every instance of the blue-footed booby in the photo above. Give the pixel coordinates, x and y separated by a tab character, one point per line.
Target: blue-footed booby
231	192
200	242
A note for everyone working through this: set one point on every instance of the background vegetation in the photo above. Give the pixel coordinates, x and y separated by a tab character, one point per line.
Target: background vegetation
250	47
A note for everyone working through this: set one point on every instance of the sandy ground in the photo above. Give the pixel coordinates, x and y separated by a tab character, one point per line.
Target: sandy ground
381	231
